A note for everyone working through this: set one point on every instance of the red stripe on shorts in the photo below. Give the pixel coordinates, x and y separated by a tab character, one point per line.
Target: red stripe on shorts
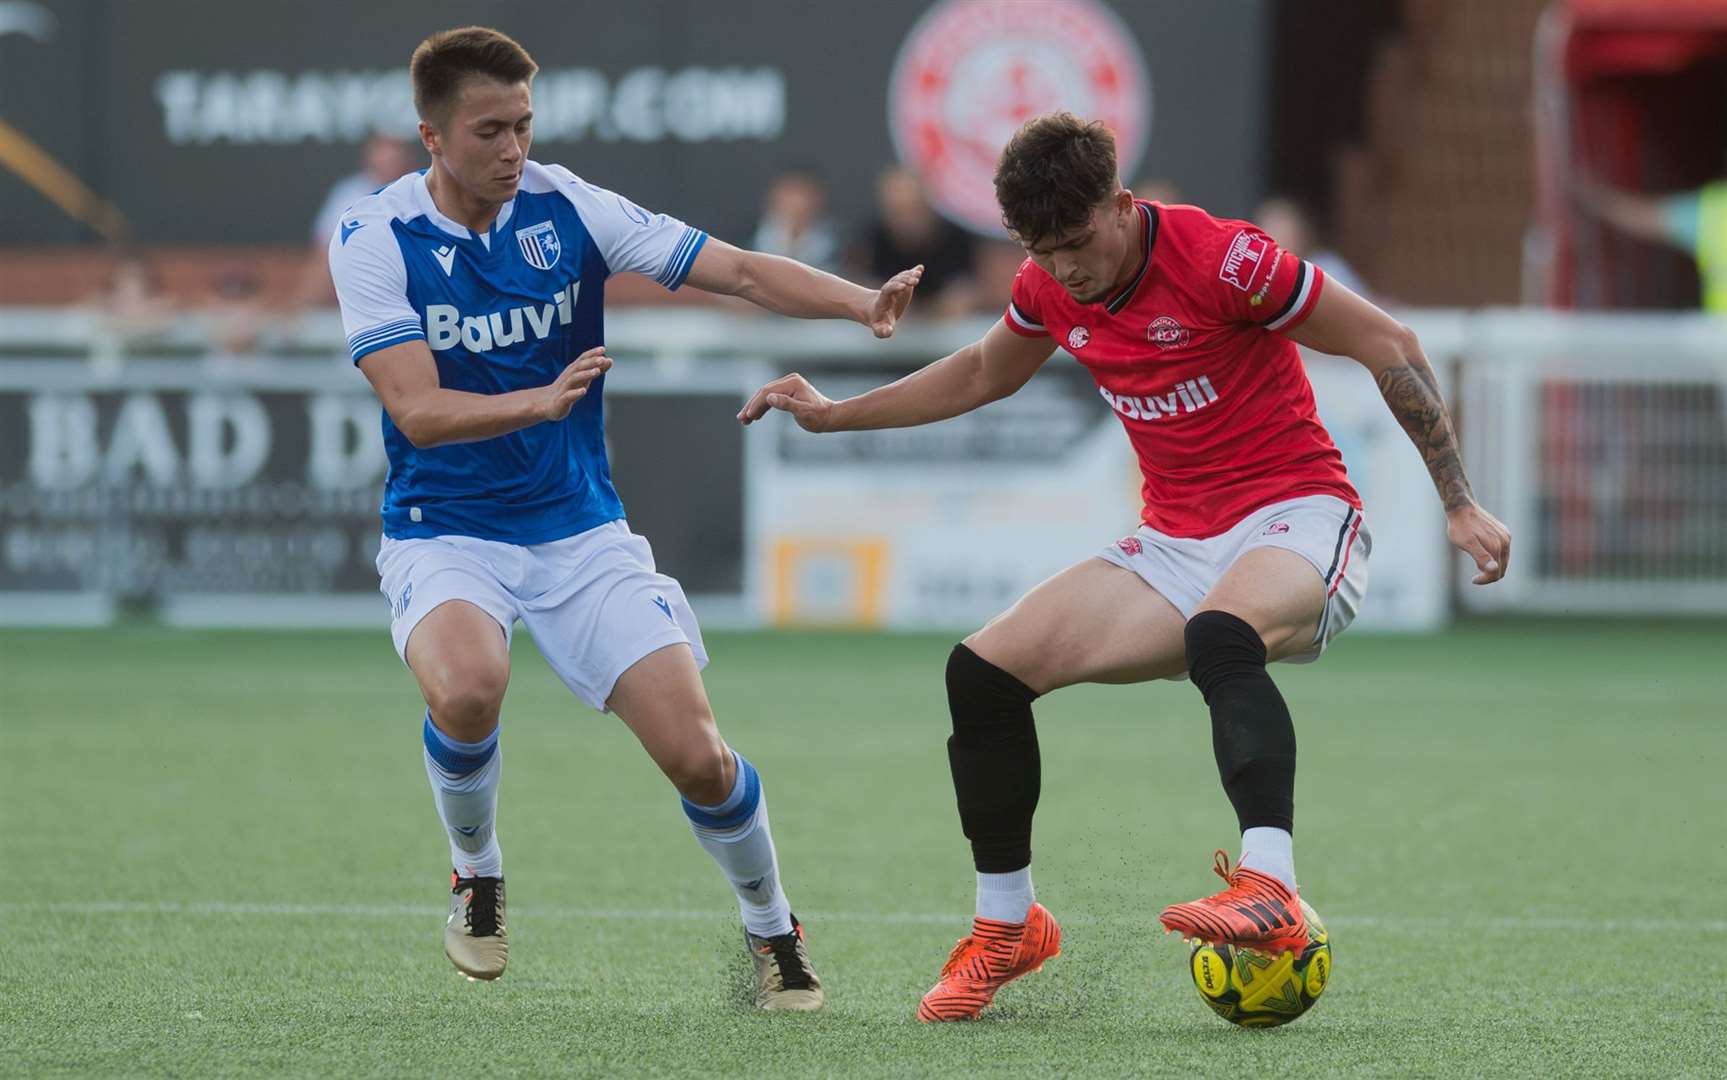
1347	548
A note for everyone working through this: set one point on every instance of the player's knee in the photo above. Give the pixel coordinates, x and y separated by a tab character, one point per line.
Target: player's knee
697	767
465	701
1221	646
981	695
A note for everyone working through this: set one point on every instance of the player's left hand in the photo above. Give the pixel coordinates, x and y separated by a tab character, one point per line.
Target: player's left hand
892	299
1483	538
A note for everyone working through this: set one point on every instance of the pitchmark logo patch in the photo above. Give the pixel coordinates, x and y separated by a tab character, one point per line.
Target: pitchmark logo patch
1244	259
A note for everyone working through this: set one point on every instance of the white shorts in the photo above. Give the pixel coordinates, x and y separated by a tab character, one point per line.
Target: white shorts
1323	529
593	602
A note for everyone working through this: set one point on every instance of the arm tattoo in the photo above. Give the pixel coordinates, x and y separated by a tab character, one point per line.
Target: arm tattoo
1413	394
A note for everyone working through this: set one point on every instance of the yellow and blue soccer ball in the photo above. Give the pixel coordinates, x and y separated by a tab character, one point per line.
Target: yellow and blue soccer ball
1255	990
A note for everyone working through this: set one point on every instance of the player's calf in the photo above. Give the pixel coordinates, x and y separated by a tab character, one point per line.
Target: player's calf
993	754
1253	737
465	778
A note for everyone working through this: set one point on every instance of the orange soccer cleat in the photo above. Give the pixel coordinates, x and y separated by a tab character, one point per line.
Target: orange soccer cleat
993	955
1256	912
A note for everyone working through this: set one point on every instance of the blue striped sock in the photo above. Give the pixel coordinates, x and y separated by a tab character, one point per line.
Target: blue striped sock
736	834
465	778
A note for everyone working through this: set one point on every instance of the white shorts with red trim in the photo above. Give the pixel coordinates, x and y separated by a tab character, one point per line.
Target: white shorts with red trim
1323	529
594	601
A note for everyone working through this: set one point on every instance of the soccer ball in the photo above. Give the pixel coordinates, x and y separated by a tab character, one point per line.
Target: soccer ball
1255	990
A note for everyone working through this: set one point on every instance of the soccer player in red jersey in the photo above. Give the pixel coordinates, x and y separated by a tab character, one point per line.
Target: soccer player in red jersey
1252	548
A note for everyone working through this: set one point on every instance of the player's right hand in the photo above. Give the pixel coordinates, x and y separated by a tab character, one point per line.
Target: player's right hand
571	385
793	394
1483	538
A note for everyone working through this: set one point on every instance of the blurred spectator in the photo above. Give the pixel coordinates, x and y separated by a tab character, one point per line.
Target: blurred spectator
795	222
233	317
1695	222
1158	189
383	160
131	304
908	231
1285	221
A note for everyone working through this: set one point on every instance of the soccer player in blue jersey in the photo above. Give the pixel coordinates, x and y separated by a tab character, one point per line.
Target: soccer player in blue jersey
471	294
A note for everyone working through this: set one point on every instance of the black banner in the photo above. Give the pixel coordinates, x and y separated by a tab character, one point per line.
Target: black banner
228	123
152	492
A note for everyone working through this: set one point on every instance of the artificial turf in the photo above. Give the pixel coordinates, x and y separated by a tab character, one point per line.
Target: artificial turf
222	859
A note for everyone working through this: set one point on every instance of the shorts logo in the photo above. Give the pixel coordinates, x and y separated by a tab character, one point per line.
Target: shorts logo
405	597
971	71
1276	528
1167	334
1244	259
1078	337
665	608
1130	545
539	244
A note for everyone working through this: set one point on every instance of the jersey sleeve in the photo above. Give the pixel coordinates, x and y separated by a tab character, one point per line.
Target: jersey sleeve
1261	283
372	287
1023	316
658	246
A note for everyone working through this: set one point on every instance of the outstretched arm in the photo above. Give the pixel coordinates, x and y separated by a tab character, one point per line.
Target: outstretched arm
1643	216
982	372
405	378
788	287
1343	324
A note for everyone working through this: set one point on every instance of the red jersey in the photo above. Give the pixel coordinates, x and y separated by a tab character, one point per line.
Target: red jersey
1216	403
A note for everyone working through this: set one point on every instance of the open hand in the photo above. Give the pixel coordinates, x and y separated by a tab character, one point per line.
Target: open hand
892	299
1483	538
793	393
571	385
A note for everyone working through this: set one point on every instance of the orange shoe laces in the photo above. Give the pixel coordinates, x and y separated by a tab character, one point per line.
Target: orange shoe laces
1220	867
955	956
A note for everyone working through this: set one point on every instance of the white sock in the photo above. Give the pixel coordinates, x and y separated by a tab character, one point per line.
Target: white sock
736	834
1270	851
1005	897
464	780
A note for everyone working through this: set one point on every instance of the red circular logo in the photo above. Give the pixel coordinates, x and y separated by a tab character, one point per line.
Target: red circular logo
1167	333
971	71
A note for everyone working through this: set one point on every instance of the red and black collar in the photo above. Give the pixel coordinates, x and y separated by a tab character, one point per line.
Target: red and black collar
1120	299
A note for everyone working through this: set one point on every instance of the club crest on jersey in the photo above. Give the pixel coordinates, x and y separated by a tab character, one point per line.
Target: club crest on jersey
1166	333
540	245
1130	545
1078	337
1276	528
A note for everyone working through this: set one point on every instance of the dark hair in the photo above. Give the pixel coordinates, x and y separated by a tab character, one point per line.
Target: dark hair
445	59
1052	173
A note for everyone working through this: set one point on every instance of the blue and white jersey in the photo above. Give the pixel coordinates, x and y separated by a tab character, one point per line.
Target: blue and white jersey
507	310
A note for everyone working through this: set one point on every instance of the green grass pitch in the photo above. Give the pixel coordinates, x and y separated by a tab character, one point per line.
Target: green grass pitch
221	858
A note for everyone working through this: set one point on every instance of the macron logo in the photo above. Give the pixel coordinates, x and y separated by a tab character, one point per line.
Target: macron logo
665	608
446	257
447	327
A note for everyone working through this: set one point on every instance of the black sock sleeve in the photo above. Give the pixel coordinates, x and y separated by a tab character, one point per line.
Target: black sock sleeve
993	753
